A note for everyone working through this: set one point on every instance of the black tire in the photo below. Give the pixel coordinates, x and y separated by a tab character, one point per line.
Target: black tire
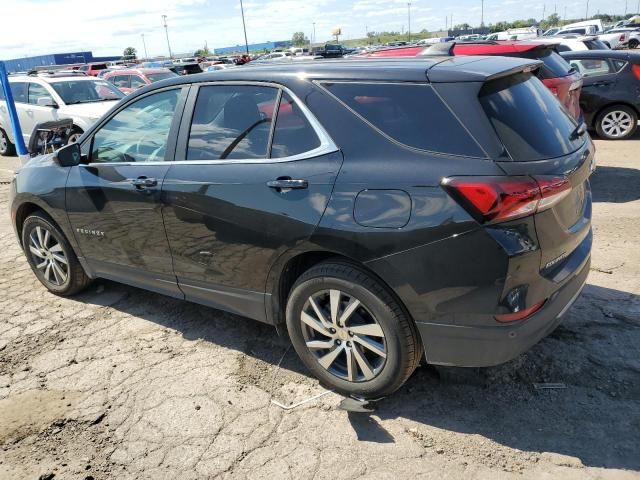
401	339
74	135
604	129
633	43
76	279
7	148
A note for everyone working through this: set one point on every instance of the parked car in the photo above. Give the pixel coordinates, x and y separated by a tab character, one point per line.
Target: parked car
92	69
610	96
134	78
219	66
577	43
594	27
555	73
634	35
526	33
389	208
186	68
49	97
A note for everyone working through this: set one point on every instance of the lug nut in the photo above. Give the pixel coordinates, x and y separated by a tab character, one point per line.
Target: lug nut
338	342
332	330
350	333
348	344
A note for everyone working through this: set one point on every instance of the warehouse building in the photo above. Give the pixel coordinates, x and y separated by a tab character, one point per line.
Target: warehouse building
253	47
29	63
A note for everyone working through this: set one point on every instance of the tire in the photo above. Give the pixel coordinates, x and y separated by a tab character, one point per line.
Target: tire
377	314
7	148
633	43
47	255
74	135
617	122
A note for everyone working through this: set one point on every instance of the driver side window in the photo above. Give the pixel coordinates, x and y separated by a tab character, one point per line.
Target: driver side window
139	132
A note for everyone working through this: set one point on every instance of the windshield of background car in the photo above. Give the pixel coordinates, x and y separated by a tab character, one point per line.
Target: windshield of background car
83	91
156	77
528	119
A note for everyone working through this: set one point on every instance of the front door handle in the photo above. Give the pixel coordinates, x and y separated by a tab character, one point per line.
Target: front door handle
286	184
143	182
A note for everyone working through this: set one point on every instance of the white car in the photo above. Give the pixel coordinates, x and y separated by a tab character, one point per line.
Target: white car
48	97
594	27
575	43
634	35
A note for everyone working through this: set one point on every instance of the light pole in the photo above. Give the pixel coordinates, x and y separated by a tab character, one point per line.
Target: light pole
244	26
481	13
409	20
144	44
314	32
166	32
586	14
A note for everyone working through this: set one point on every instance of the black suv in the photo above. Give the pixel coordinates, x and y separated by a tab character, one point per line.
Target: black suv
380	211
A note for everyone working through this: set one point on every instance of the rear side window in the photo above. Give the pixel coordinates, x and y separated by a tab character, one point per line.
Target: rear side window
36	91
293	134
411	114
528	119
592	67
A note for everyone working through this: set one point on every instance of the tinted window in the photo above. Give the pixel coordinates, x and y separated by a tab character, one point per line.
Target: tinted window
293	134
120	81
554	65
98	66
409	113
36	91
139	133
86	91
231	122
156	77
528	119
19	91
137	82
595	45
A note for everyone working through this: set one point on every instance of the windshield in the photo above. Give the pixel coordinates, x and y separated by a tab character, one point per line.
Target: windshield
528	119
156	77
86	91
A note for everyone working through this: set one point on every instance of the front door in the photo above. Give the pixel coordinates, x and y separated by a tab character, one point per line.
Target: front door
114	201
255	179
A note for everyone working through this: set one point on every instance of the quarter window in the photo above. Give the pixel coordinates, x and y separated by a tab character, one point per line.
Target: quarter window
592	67
36	91
411	114
231	122
293	134
19	91
139	132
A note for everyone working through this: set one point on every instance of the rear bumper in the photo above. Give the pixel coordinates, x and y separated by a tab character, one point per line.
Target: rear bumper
483	346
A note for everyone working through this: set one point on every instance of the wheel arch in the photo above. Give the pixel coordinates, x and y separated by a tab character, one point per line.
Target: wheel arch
26	209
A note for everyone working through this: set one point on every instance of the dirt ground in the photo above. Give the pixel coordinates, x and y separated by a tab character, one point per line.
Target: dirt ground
121	383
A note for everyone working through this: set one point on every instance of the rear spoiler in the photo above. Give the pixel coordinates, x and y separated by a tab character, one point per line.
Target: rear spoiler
478	68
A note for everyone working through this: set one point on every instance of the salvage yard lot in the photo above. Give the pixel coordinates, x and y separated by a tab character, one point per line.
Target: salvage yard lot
122	383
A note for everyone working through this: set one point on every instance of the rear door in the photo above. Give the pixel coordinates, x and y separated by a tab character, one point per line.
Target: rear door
600	81
253	174
542	140
114	201
38	114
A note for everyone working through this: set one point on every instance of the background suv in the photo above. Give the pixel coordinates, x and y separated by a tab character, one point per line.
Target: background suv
49	97
132	79
344	202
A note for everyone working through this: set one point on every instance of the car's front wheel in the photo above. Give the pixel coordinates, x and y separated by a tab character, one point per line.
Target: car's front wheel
349	330
51	257
617	122
75	134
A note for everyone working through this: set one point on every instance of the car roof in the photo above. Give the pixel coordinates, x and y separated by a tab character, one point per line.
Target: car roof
616	54
433	69
143	70
51	79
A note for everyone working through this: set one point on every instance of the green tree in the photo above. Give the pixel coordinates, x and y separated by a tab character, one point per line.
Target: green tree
202	52
129	53
299	39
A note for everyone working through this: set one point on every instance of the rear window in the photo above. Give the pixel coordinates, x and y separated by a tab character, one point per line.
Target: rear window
411	114
554	65
595	45
98	66
156	77
528	119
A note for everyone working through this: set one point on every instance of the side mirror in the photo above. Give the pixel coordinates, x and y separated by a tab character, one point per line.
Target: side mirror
69	156
46	101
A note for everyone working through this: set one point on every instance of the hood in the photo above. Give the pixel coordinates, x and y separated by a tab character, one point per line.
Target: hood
92	110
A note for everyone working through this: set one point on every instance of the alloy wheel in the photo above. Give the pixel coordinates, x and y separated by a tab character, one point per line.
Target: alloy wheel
73	138
48	256
343	335
4	142
617	123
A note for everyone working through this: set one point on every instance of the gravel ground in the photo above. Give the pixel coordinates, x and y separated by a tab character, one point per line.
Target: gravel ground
121	383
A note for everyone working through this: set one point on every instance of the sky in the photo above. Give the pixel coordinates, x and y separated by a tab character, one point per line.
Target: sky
106	27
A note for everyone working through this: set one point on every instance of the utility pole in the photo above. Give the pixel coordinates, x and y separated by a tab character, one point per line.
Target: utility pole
244	26
586	14
625	7
166	32
544	10
144	44
565	12
314	32
482	13
409	19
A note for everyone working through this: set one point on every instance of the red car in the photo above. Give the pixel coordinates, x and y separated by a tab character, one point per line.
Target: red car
92	68
556	73
133	78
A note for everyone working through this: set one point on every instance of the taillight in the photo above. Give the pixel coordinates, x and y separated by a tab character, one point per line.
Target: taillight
622	38
636	70
522	314
498	199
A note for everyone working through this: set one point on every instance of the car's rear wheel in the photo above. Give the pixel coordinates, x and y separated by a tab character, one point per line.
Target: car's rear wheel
617	122
51	257
350	331
6	147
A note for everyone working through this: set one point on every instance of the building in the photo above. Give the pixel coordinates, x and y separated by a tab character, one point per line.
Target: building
253	47
30	63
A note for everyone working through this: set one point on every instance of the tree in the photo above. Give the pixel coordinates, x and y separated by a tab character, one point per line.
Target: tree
299	39
129	53
202	52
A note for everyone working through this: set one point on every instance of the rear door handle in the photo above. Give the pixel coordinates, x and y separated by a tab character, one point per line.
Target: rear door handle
143	182
284	183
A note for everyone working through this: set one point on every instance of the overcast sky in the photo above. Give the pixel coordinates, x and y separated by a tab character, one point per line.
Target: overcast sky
106	27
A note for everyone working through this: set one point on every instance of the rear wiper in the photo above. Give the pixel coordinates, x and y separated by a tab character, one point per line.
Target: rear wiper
578	131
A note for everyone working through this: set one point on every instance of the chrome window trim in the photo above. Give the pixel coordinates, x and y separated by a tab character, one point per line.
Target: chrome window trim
327	145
